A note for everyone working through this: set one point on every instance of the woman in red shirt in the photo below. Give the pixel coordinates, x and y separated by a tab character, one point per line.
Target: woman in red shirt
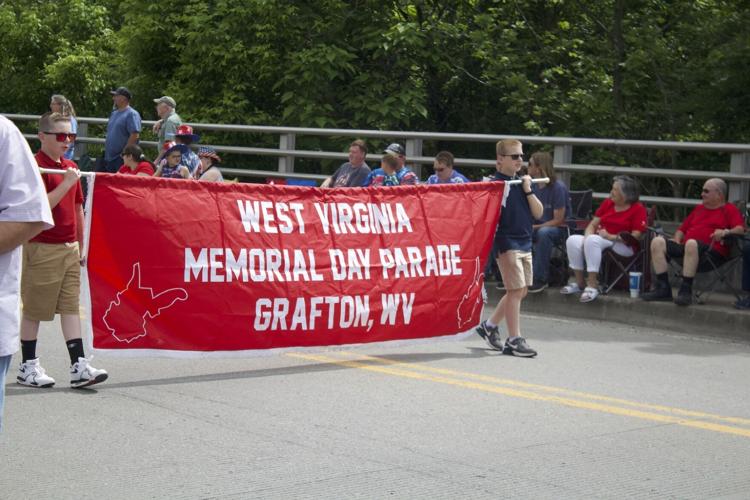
134	163
619	213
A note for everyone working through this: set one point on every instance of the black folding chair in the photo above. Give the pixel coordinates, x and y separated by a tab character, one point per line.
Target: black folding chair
719	271
581	203
615	269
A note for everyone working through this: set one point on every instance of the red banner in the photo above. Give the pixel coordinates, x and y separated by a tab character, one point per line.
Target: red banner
190	266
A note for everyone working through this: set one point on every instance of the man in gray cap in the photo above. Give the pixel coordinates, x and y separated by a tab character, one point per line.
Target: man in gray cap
123	129
168	122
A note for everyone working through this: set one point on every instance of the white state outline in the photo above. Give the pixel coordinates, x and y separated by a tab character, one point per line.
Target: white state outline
116	301
479	283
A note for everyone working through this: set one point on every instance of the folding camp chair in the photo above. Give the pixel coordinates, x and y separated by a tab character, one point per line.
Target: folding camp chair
719	272
581	203
615	268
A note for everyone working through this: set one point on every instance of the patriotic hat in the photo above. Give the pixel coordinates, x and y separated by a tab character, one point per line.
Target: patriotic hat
208	152
187	131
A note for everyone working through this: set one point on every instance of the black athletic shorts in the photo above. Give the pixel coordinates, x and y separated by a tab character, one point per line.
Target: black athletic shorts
706	255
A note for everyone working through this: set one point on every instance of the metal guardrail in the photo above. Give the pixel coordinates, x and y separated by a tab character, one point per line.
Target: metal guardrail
737	176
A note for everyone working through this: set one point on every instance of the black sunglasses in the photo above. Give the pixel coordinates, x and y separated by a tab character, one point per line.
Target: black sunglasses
515	157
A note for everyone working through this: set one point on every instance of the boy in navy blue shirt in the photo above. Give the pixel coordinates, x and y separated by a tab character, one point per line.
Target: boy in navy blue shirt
513	241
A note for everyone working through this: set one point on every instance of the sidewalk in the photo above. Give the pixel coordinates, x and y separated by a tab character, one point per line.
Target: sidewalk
716	318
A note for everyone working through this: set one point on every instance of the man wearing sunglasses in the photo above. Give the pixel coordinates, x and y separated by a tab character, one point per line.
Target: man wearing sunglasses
513	244
699	236
444	172
50	280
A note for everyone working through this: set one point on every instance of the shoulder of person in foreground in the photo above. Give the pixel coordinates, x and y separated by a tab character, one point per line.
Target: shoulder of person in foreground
458	178
212	175
23	197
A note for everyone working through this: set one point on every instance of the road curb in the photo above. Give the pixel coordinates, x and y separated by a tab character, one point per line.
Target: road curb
716	318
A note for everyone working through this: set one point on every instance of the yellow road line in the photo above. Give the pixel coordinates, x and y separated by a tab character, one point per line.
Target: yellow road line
545	388
573	403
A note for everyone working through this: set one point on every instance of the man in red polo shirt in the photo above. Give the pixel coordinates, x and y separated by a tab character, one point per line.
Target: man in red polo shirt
699	236
50	281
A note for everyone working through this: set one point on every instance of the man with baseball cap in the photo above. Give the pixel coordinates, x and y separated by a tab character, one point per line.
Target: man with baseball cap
123	129
403	173
169	120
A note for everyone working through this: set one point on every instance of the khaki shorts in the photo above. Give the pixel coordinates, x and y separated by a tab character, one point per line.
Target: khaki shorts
515	268
50	280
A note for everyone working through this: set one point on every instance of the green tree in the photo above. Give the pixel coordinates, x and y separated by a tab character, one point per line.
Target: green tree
54	47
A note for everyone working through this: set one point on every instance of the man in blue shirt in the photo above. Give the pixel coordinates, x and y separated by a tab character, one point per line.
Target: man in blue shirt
513	241
123	129
444	172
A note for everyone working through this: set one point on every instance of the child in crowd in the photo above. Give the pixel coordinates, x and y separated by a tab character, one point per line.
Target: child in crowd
134	163
171	166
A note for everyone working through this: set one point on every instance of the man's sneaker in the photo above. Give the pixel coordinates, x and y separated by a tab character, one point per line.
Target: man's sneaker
660	292
517	346
82	374
743	303
537	287
500	286
684	297
32	374
490	335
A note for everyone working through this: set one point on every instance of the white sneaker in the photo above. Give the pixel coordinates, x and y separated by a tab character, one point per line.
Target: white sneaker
32	374
82	374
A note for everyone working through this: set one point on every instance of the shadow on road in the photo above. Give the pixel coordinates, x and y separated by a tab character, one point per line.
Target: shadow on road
12	390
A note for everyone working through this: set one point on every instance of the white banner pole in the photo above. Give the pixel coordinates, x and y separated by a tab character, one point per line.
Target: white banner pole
62	172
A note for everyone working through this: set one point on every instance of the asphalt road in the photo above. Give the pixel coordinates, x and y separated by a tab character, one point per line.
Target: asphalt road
604	411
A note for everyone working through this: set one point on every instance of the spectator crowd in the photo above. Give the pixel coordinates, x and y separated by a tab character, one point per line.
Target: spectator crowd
45	214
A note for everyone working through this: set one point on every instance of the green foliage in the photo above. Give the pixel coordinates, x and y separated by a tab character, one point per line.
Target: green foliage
648	69
54	47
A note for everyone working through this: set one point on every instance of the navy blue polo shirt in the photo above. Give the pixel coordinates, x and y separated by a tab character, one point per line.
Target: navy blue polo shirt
514	227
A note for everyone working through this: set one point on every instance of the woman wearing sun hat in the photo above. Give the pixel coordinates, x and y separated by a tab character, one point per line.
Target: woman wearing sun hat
208	170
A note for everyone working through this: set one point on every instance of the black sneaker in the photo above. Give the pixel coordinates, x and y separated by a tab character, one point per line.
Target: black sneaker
500	286
684	297
658	293
743	303
517	346
537	287
490	335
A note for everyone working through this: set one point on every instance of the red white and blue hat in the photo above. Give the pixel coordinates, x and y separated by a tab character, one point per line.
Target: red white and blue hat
187	131
208	152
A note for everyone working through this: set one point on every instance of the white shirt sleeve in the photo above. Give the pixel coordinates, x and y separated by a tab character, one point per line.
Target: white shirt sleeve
23	197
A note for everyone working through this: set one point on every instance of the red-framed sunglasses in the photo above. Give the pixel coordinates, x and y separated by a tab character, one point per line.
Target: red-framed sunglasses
61	136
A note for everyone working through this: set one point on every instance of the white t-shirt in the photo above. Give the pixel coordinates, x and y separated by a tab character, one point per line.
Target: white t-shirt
23	198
